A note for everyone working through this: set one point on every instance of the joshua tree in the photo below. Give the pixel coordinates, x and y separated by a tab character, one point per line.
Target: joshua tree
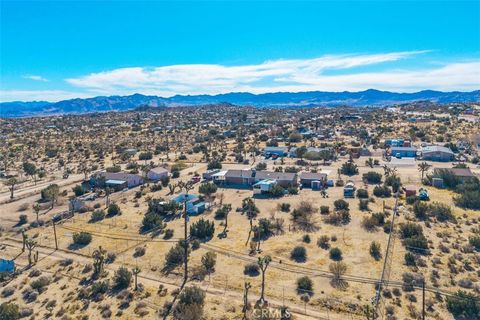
24	240
263	263
10	183
423	167
247	287
251	210
226	208
36	209
135	272
30	244
98	261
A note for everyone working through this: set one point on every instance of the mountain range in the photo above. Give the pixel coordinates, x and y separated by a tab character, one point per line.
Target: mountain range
369	97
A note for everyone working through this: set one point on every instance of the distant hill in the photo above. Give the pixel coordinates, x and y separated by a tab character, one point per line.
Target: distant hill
369	97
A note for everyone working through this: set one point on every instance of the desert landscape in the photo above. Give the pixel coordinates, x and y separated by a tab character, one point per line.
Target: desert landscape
287	213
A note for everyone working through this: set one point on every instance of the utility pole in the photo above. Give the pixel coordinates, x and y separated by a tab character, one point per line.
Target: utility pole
187	187
55	234
423	299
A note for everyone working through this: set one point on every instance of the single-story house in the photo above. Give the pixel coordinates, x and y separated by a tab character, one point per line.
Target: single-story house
194	204
157	173
403	152
312	179
279	151
240	177
437	153
116	185
283	179
132	180
461	173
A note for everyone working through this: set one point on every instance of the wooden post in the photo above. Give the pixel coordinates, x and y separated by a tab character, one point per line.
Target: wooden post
55	234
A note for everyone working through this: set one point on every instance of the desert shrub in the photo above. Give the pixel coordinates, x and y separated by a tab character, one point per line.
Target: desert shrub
324	209
323	242
410	259
214	164
363	205
155	187
349	169
190	304
139	252
122	278
341	204
168	234
99	287
475	242
22	219
9	311
464	304
338	217
207	188
78	190
175	256
420	210
285	207
202	229
441	211
306	238
362	194
303	216
305	285
335	254
382	191
411	199
394	182
82	238
8	291
113	210
469	199
97	215
411	280
251	269
40	283
299	254
372	177
375	250
111	256
195	244
277	191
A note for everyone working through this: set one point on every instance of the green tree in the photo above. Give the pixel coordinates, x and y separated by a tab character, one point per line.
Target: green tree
31	170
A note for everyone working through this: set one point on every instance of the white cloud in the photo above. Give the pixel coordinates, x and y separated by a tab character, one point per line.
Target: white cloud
349	72
276	75
35	78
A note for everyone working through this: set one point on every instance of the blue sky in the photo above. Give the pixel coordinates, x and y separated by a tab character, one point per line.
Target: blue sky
64	49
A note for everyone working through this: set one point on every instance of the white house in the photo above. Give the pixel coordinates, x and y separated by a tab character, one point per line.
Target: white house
157	173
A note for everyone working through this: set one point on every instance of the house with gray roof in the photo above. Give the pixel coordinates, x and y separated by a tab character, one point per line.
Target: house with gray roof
437	153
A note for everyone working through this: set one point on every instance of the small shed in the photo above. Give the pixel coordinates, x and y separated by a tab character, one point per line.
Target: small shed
264	186
437	182
410	191
7	266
